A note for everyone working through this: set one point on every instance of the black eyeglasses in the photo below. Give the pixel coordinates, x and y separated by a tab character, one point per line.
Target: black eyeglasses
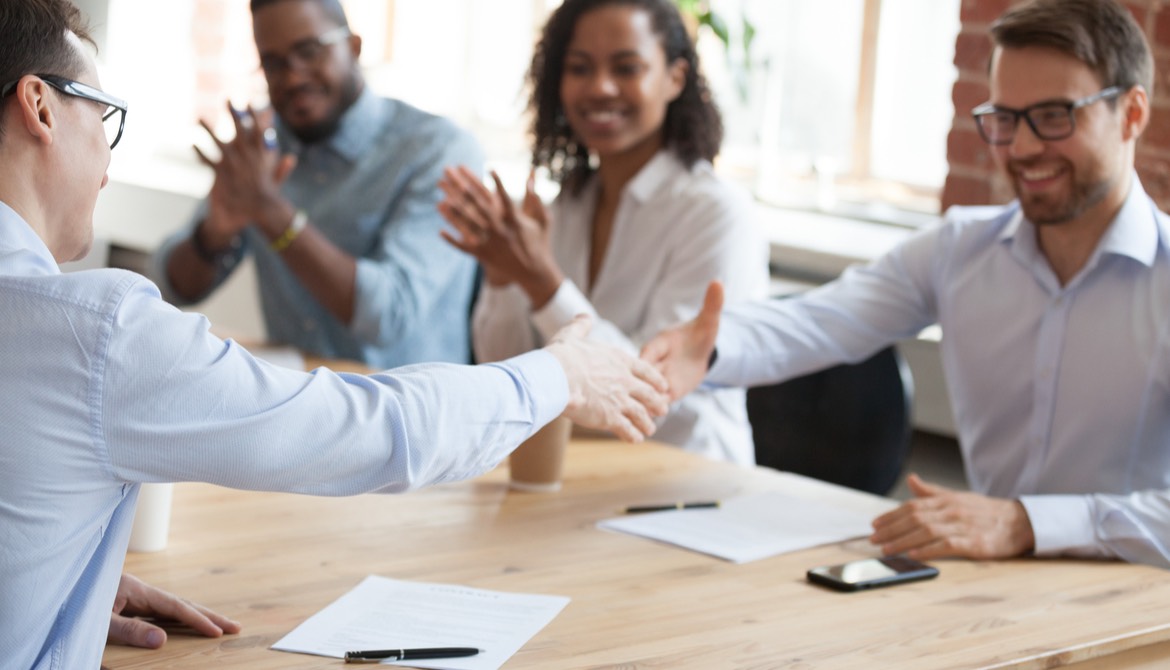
1048	120
308	52
113	126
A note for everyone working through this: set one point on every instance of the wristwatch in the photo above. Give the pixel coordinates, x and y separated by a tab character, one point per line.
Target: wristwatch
222	259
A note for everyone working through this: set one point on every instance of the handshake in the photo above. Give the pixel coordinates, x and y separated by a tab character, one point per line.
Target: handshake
611	390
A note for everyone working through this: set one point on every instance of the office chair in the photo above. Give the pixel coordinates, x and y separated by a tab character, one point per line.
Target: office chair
848	424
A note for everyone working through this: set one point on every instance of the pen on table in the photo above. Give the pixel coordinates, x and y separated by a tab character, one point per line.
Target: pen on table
379	655
639	509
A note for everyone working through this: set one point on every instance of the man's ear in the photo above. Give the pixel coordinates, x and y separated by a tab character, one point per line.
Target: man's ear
355	46
36	114
1135	109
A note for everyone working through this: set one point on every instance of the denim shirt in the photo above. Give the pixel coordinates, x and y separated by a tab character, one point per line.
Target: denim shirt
371	189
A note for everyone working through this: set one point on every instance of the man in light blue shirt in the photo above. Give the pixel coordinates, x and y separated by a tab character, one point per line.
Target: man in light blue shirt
1055	312
106	386
335	199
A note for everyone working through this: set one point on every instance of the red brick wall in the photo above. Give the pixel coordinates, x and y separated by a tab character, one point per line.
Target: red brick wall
973	178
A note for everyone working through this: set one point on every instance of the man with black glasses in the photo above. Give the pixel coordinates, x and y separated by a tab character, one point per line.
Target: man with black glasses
335	199
1055	312
106	386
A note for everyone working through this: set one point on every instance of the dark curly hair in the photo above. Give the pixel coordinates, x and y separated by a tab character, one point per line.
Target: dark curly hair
692	127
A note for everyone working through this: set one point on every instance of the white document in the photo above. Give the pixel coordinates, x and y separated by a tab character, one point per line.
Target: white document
748	528
382	613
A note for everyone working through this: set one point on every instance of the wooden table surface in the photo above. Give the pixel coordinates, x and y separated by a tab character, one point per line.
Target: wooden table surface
272	560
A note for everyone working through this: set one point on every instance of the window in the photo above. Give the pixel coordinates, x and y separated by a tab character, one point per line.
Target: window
850	100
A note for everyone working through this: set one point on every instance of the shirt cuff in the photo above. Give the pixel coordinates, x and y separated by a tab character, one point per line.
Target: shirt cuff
725	370
545	381
565	304
368	307
1061	524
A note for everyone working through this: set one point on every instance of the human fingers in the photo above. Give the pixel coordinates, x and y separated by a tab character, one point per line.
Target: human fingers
241	119
621	426
645	371
203	158
471	231
211	133
136	632
505	200
472	206
533	205
639	415
462	245
166	605
656	402
284	167
708	318
922	489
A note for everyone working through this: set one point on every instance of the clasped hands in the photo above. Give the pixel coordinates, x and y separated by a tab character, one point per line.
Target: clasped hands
937	523
248	177
510	243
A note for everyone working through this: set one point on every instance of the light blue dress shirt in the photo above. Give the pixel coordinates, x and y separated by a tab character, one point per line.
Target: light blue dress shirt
106	386
1061	394
372	190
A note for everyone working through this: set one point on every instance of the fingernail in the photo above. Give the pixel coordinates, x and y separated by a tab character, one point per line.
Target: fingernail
270	137
155	638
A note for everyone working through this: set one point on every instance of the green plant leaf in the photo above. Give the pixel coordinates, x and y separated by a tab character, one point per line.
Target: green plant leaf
718	26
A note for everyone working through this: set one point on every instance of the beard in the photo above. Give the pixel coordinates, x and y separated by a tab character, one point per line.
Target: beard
1056	208
325	128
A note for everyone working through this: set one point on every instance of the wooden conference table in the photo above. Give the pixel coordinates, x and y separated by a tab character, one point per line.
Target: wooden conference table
272	560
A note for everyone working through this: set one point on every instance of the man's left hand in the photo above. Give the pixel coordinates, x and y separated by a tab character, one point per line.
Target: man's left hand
940	522
138	599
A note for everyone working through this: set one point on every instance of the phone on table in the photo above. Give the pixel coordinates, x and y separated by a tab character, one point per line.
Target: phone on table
870	573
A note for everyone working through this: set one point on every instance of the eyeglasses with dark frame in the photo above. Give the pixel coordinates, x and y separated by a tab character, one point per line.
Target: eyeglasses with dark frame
1048	120
80	90
308	52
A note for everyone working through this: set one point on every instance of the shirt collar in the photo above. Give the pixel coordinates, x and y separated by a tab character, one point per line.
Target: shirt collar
22	251
661	169
1134	232
358	124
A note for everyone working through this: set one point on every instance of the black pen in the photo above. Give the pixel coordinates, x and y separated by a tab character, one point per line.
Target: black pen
379	655
639	509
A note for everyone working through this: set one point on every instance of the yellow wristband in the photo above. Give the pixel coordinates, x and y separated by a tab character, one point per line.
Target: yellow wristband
298	223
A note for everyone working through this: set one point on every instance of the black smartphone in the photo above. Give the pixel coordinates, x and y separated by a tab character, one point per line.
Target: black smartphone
871	573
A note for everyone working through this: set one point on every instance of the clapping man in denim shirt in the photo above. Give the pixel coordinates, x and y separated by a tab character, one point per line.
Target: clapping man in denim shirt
335	198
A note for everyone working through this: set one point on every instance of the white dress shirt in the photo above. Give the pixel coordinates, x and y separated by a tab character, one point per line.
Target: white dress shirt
106	386
1061	394
674	231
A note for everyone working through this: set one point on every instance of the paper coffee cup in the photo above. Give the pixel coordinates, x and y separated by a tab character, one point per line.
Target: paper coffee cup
537	463
152	519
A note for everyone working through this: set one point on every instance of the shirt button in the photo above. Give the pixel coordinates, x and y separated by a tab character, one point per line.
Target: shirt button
309	325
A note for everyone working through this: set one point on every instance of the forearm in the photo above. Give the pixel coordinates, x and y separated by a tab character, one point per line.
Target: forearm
326	271
195	265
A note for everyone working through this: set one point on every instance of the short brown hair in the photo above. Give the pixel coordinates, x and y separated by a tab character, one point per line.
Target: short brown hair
1100	33
33	39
